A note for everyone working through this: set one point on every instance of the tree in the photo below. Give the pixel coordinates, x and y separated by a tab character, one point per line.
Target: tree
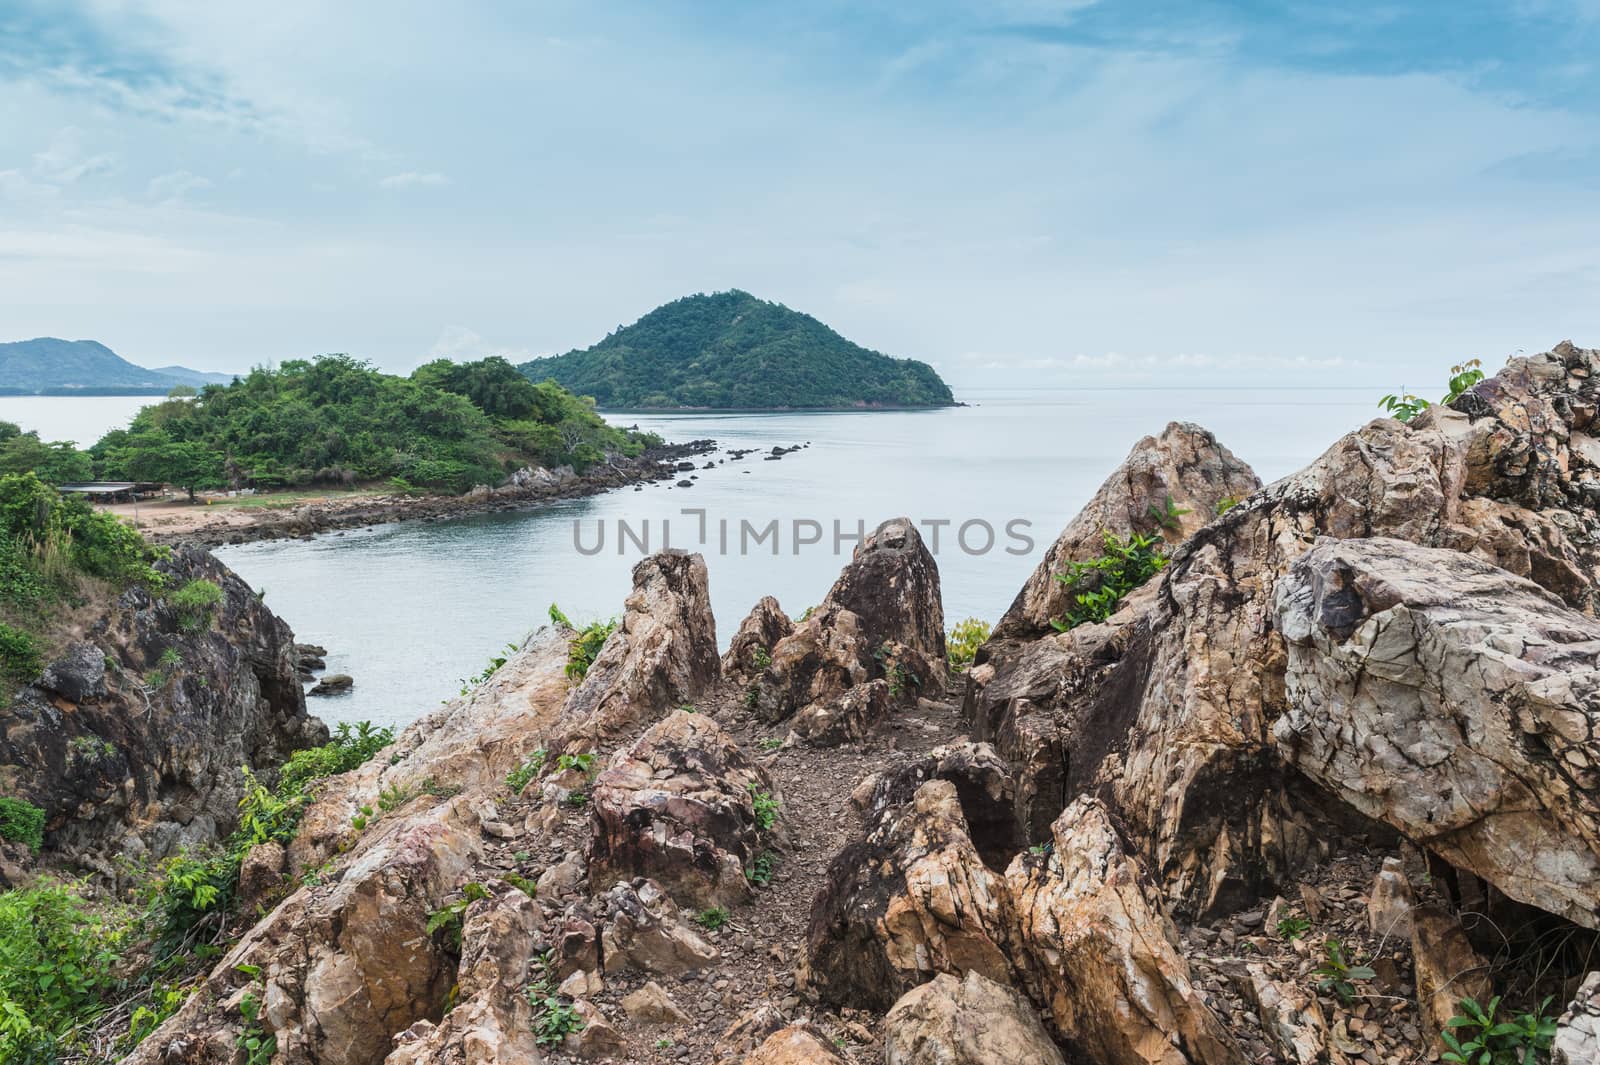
189	465
55	463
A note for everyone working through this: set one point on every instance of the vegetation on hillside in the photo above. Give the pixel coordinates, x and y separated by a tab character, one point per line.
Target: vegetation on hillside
732	350
338	421
48	366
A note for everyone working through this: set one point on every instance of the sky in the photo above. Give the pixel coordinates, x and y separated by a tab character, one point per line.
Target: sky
1052	192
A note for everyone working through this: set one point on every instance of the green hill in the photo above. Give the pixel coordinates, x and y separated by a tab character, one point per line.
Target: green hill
47	366
730	350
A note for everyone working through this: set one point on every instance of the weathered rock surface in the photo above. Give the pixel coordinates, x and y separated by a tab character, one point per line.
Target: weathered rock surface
751	649
1184	464
1391	900
1455	701
1577	1039
798	1044
850	716
1448	969
652	1005
883	618
492	1020
1290	1015
910	899
132	742
1096	947
678	806
643	930
662	654
967	1021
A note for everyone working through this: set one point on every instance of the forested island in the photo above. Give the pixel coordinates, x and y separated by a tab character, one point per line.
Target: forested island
47	366
732	351
337	421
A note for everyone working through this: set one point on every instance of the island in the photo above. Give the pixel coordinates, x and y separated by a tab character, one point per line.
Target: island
48	366
732	351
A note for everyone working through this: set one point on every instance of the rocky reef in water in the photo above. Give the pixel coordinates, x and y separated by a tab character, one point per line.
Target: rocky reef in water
1358	705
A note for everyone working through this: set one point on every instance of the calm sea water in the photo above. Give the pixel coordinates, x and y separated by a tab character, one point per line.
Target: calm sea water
408	609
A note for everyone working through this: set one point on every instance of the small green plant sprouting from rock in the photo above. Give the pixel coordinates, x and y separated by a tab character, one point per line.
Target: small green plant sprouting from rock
805	615
395	796
21	822
961	646
585	646
1337	973
554	1018
525	773
1099	585
170	660
761	869
663	1043
196	603
1168	516
760	657
1227	503
522	884
440	791
89	750
1039	849
752	697
900	678
361	818
1476	1038
713	919
1405	407
766	808
583	761
257	1045
577	797
469	683
689	708
769	743
449	918
1292	928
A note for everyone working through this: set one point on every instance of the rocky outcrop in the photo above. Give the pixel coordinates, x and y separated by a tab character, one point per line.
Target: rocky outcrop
1168	710
882	618
1169	485
662	654
1577	1040
132	742
750	651
1096	947
798	1044
967	1021
678	805
910	899
850	716
1459	703
491	1021
1448	968
643	930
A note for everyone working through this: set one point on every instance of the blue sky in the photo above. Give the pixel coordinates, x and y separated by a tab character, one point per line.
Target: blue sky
1051	191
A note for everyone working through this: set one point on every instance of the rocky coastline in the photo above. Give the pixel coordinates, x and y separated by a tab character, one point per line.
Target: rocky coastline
526	488
1332	770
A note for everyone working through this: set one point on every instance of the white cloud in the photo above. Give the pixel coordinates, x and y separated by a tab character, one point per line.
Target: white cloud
66	161
175	186
412	179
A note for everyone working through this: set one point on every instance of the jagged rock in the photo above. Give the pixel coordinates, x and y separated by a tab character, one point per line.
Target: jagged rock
909	899
849	716
1577	1039
564	878
261	876
1390	901
1447	967
128	753
492	1021
678	806
598	1038
643	930
751	650
1168	708
968	1021
652	1005
663	653
1455	701
882	618
1290	1015
748	1031
347	961
577	948
333	684
1096	947
1184	464
798	1044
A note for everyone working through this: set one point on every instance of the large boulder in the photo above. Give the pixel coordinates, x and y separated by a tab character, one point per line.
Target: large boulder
883	618
133	741
909	899
663	653
750	651
967	1021
491	1022
797	1044
678	806
1459	703
643	930
1169	485
1095	946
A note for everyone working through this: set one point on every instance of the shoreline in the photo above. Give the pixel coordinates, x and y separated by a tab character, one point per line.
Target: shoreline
216	526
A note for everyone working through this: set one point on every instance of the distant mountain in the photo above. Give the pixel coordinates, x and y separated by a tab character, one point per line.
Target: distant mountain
47	366
730	350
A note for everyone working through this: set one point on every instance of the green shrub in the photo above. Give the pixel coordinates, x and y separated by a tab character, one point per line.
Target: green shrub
965	639
349	748
1338	973
766	808
585	646
57	958
21	822
713	919
519	778
20	661
1099	584
1405	407
195	603
1475	1037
